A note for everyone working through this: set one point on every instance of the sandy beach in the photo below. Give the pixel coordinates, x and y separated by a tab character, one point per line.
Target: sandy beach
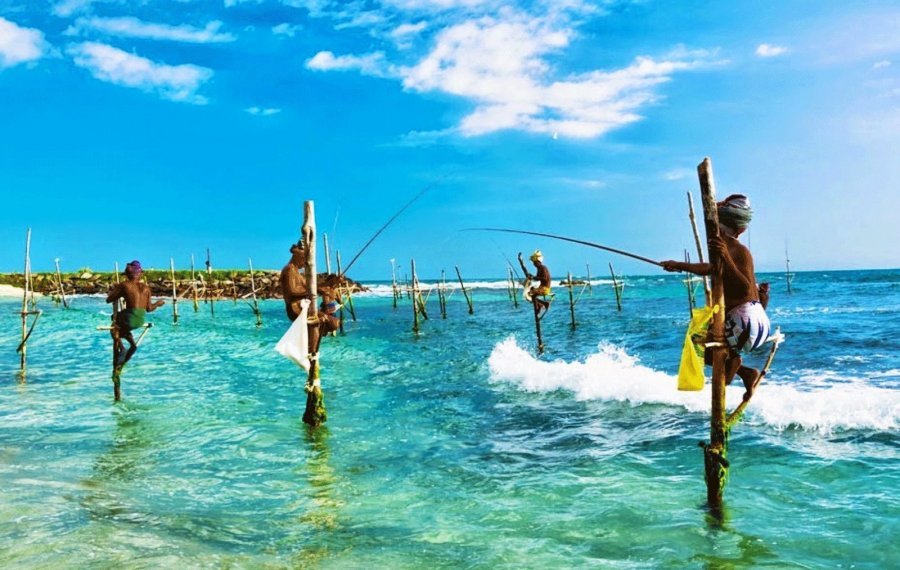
10	291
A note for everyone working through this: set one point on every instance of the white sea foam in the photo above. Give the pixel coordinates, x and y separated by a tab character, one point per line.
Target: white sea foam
613	375
383	290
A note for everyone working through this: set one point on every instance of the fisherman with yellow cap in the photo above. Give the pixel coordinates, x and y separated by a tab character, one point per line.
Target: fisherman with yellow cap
539	293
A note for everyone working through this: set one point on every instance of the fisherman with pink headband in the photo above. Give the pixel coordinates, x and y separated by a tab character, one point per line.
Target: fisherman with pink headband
137	304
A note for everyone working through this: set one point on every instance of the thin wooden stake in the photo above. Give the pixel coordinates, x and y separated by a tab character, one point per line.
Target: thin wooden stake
193	284
328	255
349	291
689	284
255	305
315	414
415	297
394	289
59	282
716	451
788	275
174	291
590	287
465	293
571	287
208	288
442	294
617	287
706	290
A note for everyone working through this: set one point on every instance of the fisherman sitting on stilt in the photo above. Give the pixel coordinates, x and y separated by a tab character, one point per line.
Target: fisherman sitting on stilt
746	323
137	305
540	294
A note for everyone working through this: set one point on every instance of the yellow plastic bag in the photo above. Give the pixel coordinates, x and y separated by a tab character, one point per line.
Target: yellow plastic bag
690	372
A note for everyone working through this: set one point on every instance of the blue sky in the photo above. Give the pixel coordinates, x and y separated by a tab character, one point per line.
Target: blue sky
157	129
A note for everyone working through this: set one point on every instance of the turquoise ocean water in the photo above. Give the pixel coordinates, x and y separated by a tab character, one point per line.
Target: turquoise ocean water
456	449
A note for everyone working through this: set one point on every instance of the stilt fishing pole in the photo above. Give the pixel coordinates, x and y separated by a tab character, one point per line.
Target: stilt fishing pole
573	240
389	222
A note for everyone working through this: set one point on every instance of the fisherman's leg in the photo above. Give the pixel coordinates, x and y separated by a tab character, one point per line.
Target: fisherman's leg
732	364
132	348
749	376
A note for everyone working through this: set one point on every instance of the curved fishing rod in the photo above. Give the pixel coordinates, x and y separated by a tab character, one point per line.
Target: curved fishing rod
384	227
573	240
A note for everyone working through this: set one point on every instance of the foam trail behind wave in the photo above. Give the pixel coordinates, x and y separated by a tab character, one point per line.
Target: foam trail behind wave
611	374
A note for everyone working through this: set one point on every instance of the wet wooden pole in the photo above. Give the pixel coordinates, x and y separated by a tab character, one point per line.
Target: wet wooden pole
716	451
193	284
210	294
415	297
395	291
255	305
571	287
699	244
350	306
174	291
465	293
589	286
315	413
26	330
789	277
617	287
442	294
328	255
59	283
689	283
513	287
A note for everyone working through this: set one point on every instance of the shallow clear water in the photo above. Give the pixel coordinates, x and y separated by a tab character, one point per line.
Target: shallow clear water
458	448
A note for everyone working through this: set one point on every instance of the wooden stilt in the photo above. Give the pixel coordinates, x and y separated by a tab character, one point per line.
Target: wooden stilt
415	297
689	283
716	451
693	218
617	287
315	414
327	254
442	294
394	289
571	287
234	289
406	280
255	305
513	286
59	283
210	294
465	293
350	306
22	349
174	291
789	277
193	284
589	286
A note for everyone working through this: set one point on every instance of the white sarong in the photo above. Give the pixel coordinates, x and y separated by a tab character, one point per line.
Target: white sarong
295	342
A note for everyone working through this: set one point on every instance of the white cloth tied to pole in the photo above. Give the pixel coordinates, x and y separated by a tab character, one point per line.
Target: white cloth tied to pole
295	342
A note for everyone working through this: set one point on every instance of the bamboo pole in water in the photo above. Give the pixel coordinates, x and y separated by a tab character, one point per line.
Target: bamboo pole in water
512	286
693	218
394	289
315	413
328	255
716	451
174	291
349	291
59	283
255	305
571	287
617	287
415	297
193	284
208	288
442	294
789	277
689	283
589	286
465	293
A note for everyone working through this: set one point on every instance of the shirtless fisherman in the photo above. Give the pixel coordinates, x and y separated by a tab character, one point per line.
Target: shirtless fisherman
294	290
542	289
137	305
746	323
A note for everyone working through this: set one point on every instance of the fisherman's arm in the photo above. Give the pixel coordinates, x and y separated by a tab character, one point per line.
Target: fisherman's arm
695	268
732	269
115	293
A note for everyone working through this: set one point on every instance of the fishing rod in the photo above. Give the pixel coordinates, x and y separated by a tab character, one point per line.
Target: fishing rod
384	227
563	238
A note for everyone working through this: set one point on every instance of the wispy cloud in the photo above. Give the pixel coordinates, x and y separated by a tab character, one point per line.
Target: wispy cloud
262	111
20	45
173	82
134	28
285	29
677	174
369	64
769	50
881	64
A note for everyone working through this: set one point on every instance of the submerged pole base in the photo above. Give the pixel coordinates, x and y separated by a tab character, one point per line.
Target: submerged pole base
715	473
315	414
117	384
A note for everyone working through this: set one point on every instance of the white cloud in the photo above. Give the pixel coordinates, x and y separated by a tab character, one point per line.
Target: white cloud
20	45
768	50
262	111
404	30
285	29
677	174
502	66
369	64
881	64
133	28
173	82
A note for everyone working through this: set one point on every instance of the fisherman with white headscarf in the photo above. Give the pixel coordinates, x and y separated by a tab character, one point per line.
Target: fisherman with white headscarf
539	293
746	323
